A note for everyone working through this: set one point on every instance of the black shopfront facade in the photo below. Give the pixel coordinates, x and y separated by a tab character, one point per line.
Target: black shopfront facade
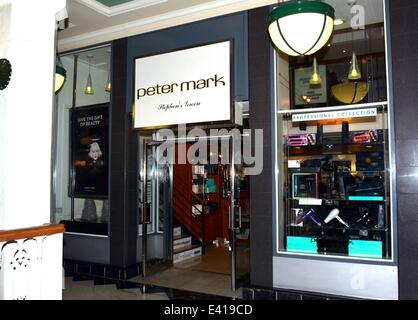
255	68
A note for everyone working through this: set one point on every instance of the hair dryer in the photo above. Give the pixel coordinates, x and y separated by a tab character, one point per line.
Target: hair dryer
334	214
308	214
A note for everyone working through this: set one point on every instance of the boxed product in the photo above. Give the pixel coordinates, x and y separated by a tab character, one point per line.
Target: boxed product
370	161
305	139
366	136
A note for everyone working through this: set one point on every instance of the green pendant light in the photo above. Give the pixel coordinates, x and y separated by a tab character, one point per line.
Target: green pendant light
60	76
5	73
301	27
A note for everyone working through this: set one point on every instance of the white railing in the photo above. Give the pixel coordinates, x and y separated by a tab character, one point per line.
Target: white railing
31	263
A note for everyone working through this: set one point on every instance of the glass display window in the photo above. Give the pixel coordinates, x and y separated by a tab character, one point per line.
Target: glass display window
333	143
81	162
334	195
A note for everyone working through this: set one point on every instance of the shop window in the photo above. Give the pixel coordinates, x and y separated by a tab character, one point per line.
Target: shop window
334	195
82	142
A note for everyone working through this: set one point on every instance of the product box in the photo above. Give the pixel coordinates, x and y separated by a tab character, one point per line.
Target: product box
210	186
365	249
196	169
370	161
302	244
304	185
306	139
295	213
366	136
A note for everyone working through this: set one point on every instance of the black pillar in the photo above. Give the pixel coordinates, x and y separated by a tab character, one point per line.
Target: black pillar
404	35
123	157
261	186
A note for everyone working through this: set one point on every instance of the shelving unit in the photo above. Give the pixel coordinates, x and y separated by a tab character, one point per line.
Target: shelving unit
335	191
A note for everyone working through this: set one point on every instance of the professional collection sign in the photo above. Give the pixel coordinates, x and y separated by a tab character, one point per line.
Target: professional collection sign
89	151
342	114
185	86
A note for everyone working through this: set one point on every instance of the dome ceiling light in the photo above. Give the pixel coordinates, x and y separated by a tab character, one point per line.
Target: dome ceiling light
350	92
5	73
60	77
301	27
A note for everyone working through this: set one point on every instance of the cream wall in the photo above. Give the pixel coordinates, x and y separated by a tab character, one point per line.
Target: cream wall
28	41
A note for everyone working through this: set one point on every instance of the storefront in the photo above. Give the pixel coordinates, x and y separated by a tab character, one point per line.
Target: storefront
325	220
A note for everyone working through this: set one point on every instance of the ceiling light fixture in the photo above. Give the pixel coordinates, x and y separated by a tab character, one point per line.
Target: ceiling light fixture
350	92
301	27
354	73
338	22
315	77
60	76
108	87
89	85
5	73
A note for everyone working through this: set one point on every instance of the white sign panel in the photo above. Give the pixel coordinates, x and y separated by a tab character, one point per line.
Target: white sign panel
316	93
184	86
342	114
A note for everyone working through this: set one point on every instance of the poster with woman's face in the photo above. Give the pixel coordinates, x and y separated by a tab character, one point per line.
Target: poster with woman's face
89	151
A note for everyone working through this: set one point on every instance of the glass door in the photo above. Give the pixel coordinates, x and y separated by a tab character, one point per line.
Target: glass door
239	218
155	218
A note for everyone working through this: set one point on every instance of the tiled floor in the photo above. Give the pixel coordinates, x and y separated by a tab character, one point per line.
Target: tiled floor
86	290
205	277
192	280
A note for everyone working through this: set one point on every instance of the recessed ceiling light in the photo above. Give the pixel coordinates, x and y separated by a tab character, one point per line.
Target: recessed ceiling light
338	22
344	51
329	44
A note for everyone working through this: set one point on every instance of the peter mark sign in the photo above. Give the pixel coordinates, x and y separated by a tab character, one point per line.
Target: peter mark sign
185	86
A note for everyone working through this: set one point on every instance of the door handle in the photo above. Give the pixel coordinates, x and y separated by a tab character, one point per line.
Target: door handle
147	213
232	217
239	217
229	217
142	212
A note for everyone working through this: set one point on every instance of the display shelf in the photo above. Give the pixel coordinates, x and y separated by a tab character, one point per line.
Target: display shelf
336	199
342	228
365	145
323	149
335	184
291	170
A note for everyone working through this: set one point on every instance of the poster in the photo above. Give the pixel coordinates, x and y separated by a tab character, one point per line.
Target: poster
305	93
90	151
184	86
